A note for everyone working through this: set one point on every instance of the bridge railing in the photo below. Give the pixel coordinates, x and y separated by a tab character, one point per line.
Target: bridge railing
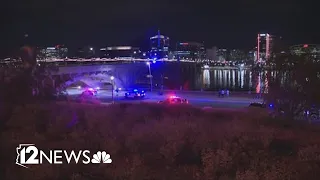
83	62
109	60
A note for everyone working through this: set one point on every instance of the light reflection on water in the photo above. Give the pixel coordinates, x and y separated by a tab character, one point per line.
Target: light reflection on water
206	78
245	80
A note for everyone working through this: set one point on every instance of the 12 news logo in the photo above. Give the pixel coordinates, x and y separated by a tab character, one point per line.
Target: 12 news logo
28	154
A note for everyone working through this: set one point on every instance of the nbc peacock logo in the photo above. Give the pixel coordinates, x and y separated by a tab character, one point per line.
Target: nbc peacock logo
101	157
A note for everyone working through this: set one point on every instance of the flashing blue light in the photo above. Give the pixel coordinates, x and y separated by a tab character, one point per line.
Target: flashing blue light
142	91
154	61
154	58
270	105
135	90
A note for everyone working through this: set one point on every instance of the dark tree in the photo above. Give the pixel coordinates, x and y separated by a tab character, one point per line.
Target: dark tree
293	90
20	84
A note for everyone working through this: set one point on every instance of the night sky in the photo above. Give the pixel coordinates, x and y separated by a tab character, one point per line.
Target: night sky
225	23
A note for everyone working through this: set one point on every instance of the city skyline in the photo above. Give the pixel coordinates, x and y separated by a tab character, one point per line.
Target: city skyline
228	24
172	46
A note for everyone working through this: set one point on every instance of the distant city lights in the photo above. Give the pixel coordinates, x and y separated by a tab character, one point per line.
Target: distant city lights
156	37
119	48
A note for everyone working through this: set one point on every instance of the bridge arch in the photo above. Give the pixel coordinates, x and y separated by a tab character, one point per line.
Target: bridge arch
104	78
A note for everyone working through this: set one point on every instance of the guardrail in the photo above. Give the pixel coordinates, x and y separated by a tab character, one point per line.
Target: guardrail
109	60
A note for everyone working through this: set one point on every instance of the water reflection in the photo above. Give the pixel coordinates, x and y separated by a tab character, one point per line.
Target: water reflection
242	78
235	80
206	78
220	77
258	86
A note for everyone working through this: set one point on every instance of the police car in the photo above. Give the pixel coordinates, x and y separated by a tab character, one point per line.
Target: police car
135	93
174	100
90	91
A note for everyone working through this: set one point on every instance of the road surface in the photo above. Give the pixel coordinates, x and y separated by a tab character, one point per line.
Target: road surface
194	98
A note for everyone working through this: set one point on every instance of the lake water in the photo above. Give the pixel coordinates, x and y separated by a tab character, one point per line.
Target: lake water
236	80
196	78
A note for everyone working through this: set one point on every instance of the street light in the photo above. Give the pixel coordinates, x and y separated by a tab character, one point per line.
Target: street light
112	78
150	76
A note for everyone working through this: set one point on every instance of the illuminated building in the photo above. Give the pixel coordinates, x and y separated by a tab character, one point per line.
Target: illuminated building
222	55
122	52
251	56
305	48
190	50
264	47
87	52
57	52
103	53
311	49
159	47
236	55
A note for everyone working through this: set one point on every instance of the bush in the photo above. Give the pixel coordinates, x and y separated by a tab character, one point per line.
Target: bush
150	141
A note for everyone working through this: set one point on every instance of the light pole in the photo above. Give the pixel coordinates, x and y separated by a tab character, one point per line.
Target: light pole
112	78
150	76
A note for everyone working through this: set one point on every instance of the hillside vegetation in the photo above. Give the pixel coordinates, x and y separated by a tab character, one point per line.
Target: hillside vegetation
153	142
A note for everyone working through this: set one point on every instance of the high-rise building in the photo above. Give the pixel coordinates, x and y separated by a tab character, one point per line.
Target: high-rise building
264	47
190	50
159	47
57	52
251	56
222	55
211	54
236	55
311	49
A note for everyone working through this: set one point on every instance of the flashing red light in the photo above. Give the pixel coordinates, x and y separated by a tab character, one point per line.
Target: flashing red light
171	97
305	46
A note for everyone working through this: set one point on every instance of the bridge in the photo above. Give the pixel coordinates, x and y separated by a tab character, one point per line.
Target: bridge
55	60
126	73
117	60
